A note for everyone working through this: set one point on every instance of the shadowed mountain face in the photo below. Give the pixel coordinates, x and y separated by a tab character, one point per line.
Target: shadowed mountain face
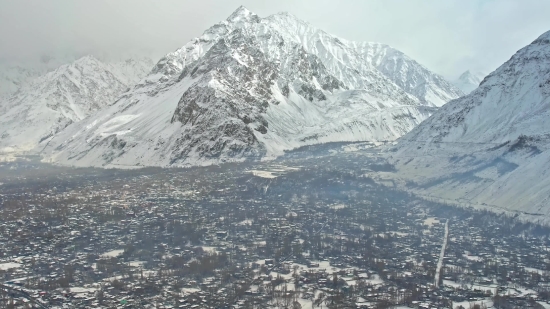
251	88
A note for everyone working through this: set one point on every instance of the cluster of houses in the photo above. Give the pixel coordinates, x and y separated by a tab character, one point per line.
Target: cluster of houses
223	237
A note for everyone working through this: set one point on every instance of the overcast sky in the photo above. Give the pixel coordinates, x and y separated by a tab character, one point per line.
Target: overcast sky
447	36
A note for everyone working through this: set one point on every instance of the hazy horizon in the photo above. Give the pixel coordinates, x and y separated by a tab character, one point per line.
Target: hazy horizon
448	37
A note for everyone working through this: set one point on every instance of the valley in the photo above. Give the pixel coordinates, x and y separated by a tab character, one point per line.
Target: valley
313	227
268	163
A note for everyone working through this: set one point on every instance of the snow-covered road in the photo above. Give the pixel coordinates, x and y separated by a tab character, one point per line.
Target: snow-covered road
441	255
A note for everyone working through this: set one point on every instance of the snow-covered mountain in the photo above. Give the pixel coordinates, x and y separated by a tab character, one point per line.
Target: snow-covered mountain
250	88
13	77
408	74
130	70
46	104
491	147
468	81
19	74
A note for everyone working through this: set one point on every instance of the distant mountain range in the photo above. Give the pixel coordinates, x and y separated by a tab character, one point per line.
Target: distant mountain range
469	81
491	147
16	75
251	88
35	107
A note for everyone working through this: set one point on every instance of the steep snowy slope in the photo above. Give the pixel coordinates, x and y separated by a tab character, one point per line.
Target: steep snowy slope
339	54
492	146
18	75
14	75
468	81
49	103
130	70
408	74
248	88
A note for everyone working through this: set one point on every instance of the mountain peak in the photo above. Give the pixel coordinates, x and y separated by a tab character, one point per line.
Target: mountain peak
240	14
503	121
469	80
470	75
466	74
48	103
251	88
86	59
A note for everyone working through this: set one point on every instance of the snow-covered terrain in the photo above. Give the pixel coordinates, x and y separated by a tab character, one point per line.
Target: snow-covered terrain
13	77
44	105
17	74
409	74
469	81
130	70
251	88
491	147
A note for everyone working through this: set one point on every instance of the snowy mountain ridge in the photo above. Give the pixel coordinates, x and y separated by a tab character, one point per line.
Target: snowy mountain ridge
44	105
16	75
469	81
248	88
491	147
408	74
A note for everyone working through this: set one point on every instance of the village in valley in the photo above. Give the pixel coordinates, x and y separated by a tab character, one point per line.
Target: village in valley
314	232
